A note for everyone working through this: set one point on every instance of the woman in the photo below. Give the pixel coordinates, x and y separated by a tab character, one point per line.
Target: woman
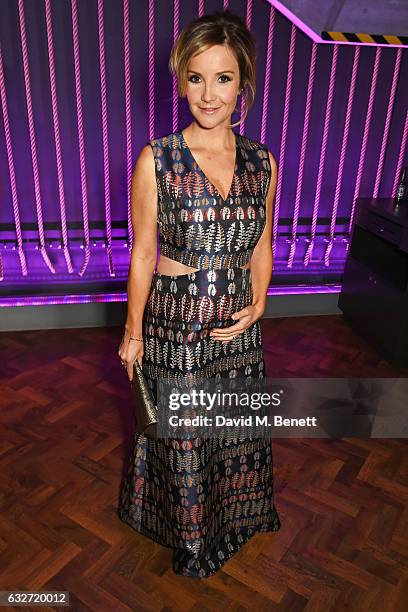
211	192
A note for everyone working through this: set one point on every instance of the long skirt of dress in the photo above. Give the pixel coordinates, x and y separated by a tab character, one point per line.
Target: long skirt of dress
204	497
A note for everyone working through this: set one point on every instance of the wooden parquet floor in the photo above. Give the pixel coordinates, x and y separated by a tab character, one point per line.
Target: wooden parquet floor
66	431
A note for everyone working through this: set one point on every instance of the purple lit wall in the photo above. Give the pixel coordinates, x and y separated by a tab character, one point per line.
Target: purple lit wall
84	84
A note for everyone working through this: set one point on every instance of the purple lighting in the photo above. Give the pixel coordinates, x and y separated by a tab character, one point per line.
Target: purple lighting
79	101
58	154
248	24
33	144
176	31
151	69
81	140
284	136
105	136
366	133
400	156
387	122
343	151
267	78
12	173
128	112
303	152
318	39
49	300
327	118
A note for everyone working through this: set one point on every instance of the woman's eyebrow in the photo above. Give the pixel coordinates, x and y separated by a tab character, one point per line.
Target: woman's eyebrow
221	72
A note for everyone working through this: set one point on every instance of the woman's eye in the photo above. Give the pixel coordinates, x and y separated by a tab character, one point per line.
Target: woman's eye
222	76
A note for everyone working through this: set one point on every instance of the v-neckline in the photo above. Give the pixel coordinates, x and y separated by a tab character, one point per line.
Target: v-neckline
223	200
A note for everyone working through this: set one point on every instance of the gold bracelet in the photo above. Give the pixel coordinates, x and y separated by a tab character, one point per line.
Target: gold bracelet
138	339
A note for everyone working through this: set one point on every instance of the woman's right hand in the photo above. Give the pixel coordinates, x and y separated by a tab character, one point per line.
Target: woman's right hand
130	350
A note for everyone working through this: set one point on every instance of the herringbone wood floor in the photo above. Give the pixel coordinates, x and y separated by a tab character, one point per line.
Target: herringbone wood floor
65	440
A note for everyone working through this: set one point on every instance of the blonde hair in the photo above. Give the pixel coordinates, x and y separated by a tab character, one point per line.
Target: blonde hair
219	28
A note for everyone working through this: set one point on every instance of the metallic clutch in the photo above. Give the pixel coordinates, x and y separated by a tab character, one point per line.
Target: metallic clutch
144	408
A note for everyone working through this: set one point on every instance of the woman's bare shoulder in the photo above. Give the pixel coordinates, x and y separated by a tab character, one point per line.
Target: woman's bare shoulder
144	164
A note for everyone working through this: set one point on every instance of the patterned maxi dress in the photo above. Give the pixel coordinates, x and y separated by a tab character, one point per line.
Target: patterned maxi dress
203	497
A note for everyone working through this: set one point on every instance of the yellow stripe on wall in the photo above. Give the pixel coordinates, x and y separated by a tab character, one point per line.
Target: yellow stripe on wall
393	40
337	36
365	37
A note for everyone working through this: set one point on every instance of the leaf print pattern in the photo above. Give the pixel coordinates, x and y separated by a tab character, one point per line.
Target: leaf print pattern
205	498
198	203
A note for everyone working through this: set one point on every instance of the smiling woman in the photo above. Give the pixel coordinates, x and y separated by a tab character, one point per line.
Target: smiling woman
210	190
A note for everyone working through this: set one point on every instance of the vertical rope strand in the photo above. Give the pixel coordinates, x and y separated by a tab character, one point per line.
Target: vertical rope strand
128	118
176	29
367	126
13	183
151	69
325	137
343	153
281	161
81	139
105	136
401	156
57	136
268	70
302	158
33	144
387	125
200	8
248	24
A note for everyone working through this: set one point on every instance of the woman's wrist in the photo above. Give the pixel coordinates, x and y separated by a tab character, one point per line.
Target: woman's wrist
259	308
133	330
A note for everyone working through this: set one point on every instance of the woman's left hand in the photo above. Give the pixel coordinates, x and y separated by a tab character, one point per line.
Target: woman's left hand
246	317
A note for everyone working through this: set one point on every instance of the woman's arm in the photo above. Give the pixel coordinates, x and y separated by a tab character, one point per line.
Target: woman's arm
143	256
261	260
144	252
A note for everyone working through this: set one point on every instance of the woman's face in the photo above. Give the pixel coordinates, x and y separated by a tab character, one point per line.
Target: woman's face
213	83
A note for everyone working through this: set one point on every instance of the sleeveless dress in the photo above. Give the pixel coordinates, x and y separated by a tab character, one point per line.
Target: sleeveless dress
202	497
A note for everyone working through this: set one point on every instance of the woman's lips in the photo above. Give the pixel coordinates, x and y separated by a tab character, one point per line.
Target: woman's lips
209	111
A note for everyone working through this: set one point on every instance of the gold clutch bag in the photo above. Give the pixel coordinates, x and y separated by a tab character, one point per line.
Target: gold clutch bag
144	408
